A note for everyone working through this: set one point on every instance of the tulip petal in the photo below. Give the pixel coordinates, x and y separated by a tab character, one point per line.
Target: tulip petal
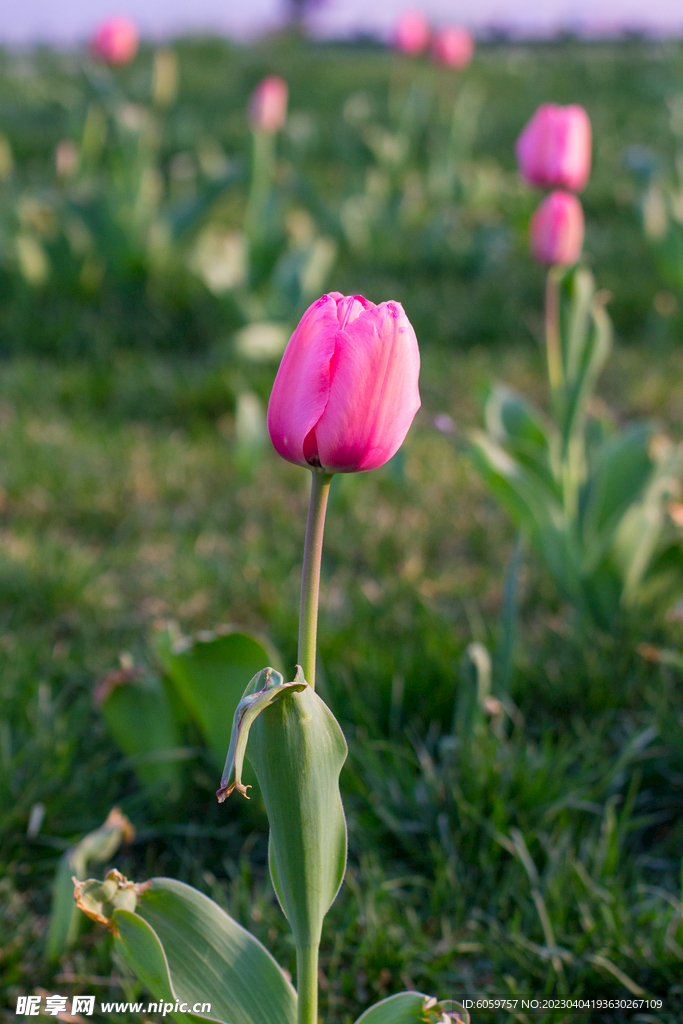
302	384
373	392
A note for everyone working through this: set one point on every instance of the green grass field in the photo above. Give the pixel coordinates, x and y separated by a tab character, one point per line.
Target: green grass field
540	860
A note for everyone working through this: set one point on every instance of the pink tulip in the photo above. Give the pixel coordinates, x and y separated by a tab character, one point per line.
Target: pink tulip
412	33
453	46
346	391
556	229
268	105
554	150
115	41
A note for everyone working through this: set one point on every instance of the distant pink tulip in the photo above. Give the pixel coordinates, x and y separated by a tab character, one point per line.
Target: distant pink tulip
268	104
556	229
412	33
116	41
554	150
346	391
453	46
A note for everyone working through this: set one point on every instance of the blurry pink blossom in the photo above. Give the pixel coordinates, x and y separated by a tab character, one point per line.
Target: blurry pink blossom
66	158
554	150
453	46
268	104
116	41
556	229
412	33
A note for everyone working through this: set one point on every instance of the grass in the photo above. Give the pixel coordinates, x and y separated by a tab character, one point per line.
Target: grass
542	857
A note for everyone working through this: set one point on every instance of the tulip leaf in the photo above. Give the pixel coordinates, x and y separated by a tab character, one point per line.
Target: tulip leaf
297	750
96	847
210	672
142	951
414	1008
184	947
140	717
521	430
618	479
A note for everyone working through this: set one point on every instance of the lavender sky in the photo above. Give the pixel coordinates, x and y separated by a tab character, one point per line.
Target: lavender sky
68	21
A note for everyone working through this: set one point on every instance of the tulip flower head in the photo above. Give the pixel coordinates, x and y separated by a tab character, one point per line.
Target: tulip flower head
412	33
346	391
554	150
116	41
453	46
268	105
556	230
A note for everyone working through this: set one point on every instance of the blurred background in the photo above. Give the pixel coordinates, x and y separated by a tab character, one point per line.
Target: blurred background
514	786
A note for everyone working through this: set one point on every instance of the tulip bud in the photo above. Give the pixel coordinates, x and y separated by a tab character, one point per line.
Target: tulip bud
346	391
268	105
412	33
554	150
556	229
453	46
116	41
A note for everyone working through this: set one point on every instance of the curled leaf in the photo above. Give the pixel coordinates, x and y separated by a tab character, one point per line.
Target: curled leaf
414	1008
98	900
266	686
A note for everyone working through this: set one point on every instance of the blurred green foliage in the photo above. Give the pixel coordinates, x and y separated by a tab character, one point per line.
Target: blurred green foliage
549	859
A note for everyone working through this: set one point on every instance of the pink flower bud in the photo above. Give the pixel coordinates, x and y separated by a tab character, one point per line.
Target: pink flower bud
412	33
268	105
346	391
556	229
115	41
453	46
554	150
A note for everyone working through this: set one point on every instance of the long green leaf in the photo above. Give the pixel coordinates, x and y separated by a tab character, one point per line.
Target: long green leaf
210	672
139	716
521	430
617	479
297	750
413	1008
140	948
210	957
532	507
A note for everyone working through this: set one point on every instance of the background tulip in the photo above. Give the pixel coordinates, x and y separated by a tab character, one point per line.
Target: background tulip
453	46
412	33
554	150
556	229
115	41
268	104
346	391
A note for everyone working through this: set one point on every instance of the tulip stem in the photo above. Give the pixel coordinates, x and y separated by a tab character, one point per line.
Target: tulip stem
310	578
553	341
307	984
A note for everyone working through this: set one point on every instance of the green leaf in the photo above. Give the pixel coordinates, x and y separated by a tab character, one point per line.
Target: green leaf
521	430
140	717
142	951
586	345
532	506
210	672
297	750
617	479
414	1008
95	848
210	957
639	533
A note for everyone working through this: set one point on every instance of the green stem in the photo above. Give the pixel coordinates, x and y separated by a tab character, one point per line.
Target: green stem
553	341
310	579
261	178
307	984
